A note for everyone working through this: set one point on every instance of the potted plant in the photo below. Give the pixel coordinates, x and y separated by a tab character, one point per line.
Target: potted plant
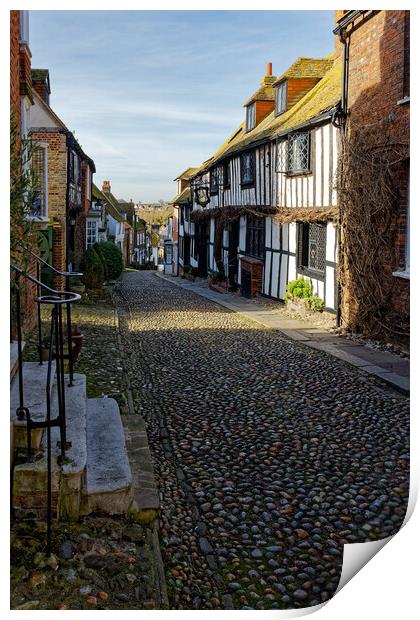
76	340
217	281
189	273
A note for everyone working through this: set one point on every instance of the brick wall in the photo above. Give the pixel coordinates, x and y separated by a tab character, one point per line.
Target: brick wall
378	80
57	184
20	71
14	66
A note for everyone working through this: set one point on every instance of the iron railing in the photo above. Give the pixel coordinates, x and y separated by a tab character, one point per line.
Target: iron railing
67	275
56	300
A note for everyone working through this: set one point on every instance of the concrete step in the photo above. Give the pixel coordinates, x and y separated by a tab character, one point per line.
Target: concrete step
14	359
34	398
73	470
108	476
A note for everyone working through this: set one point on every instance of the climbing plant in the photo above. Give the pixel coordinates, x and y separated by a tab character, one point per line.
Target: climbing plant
367	184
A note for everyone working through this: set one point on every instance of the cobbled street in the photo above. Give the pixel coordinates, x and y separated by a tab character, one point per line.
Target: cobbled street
268	455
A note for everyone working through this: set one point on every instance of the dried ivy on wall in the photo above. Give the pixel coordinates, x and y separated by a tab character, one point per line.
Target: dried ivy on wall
370	163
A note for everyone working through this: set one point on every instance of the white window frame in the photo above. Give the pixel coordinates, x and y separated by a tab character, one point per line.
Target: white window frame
281	97
250	116
89	225
406	272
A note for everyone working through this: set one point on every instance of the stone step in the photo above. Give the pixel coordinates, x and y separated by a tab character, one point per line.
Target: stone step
14	359
34	398
73	470
108	476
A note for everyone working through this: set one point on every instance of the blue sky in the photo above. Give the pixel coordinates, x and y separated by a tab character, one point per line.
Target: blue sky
150	93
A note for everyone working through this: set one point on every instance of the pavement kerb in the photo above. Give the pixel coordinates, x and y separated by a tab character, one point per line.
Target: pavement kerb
399	383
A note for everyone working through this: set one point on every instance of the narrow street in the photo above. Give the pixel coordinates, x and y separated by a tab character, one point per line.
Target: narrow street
269	456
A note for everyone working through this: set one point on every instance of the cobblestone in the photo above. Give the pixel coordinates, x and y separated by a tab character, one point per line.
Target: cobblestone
277	453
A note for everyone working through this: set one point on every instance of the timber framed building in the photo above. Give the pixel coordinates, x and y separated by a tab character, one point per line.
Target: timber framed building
264	206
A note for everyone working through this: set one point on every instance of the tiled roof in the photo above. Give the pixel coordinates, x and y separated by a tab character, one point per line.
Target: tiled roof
186	174
307	68
39	75
184	196
140	224
265	92
96	193
116	205
109	207
322	97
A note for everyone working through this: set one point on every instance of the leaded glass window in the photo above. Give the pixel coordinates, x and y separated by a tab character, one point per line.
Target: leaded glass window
226	174
248	168
214	181
312	240
298	152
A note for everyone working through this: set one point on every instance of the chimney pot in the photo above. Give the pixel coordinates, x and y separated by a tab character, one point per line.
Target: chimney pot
106	186
269	69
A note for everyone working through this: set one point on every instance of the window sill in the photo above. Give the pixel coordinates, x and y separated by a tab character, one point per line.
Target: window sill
247	185
39	219
298	173
405	275
309	273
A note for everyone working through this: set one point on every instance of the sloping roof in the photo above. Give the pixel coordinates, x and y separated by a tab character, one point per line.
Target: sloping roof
96	193
184	196
234	138
140	224
323	97
70	136
39	75
307	68
109	207
116	205
186	174
265	92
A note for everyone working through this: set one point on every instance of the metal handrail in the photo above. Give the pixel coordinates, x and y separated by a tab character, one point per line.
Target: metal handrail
44	262
67	275
42	285
56	299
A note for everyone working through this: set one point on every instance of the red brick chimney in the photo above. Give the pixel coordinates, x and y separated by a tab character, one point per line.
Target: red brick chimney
106	187
41	83
269	69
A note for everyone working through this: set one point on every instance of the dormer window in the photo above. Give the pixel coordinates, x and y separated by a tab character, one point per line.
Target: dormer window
250	116
281	97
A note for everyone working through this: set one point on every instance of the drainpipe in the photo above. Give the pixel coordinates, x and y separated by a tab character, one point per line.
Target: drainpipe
67	236
344	40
